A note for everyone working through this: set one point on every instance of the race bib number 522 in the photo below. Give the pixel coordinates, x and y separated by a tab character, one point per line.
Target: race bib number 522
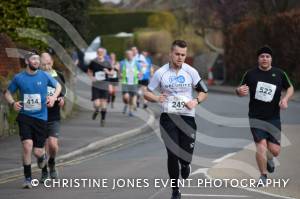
265	91
32	102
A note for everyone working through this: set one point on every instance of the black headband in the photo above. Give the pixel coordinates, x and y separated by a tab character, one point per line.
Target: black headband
29	54
264	49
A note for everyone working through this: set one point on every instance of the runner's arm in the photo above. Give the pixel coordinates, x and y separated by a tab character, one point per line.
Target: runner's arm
57	90
243	89
202	90
289	93
8	96
150	96
90	74
16	105
287	84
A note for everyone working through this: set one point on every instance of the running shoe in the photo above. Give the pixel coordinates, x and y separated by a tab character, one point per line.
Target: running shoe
176	194
95	115
42	161
262	181
44	176
27	183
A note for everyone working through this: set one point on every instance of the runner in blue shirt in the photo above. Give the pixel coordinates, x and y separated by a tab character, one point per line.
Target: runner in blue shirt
32	118
147	72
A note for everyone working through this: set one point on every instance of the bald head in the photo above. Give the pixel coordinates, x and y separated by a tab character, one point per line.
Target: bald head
101	52
46	61
129	54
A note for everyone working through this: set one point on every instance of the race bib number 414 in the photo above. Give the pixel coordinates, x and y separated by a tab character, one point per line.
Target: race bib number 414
32	102
265	91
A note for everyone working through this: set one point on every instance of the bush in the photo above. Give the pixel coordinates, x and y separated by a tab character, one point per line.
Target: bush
115	22
195	43
163	20
155	41
14	15
9	112
117	45
281	32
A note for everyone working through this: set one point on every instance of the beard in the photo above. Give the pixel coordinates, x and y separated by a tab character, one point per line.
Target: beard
32	67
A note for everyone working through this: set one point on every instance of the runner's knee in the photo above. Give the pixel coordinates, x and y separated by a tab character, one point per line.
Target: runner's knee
27	146
261	147
275	150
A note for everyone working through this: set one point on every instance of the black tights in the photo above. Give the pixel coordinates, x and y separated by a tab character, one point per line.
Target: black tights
179	135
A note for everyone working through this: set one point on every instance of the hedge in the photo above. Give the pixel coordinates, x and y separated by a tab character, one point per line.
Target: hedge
281	32
117	45
115	22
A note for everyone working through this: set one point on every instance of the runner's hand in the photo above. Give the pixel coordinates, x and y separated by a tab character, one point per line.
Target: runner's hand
191	104
283	104
243	90
162	97
61	101
50	101
18	106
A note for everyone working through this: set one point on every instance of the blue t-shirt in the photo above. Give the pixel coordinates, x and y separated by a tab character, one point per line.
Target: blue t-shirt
147	70
33	92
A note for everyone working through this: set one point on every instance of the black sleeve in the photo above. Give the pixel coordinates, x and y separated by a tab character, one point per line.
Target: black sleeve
61	80
286	82
244	79
91	66
61	76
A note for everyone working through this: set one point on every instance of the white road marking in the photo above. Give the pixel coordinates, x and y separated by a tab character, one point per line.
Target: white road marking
223	196
200	171
223	158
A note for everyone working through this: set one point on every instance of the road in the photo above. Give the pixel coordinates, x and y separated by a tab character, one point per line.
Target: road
144	158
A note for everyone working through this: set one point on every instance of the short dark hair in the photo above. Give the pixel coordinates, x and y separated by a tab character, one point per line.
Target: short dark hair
179	43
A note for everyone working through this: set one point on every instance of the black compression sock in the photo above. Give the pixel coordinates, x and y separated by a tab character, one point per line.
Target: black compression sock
103	113
27	171
113	97
45	170
51	161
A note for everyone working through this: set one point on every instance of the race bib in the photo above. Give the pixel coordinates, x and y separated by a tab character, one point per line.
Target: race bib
32	102
265	91
130	76
50	91
100	76
114	75
176	104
